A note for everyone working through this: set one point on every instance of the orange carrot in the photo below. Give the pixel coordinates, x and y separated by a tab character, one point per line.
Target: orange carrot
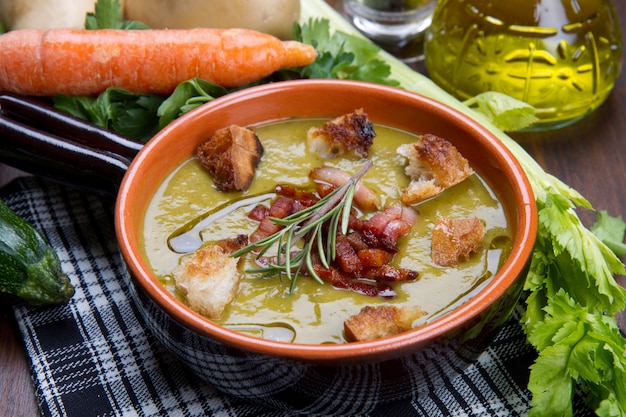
86	62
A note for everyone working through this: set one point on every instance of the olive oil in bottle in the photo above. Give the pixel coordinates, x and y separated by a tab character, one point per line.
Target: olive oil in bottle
561	56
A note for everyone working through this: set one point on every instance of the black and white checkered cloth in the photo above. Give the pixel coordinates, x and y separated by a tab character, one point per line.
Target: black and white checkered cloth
95	357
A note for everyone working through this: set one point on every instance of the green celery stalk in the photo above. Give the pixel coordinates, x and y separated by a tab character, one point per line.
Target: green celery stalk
572	294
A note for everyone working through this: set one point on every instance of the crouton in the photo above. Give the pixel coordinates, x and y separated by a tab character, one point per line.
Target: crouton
453	240
381	321
231	156
434	165
209	278
352	132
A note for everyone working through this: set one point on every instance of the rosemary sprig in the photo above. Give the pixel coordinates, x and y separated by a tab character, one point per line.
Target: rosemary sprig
308	224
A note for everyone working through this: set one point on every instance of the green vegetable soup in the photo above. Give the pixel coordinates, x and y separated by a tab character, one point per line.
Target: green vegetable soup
315	313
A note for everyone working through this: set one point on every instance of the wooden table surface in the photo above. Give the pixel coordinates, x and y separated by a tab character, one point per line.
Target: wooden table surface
589	156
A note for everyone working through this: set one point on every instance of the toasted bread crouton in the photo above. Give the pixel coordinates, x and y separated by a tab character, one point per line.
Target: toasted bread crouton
434	164
453	240
231	156
352	132
381	321
209	278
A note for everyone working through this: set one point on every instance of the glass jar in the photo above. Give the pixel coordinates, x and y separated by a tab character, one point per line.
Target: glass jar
396	25
561	56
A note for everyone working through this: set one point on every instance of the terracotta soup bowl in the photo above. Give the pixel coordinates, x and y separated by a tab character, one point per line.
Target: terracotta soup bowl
334	378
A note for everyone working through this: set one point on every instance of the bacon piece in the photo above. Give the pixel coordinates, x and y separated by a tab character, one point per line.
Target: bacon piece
390	224
340	280
296	194
373	257
355	224
364	197
347	258
280	208
389	273
258	213
302	199
356	241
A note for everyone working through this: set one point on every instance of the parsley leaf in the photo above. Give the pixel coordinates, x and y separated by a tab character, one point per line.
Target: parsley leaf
341	55
130	114
139	116
108	15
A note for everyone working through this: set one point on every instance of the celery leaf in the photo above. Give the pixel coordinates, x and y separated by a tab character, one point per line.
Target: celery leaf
504	111
610	230
583	347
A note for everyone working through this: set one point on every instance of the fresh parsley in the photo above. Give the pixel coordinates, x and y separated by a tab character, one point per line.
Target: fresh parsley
130	114
341	55
108	15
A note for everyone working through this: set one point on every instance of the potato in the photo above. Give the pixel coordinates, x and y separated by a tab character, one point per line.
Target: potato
275	17
44	14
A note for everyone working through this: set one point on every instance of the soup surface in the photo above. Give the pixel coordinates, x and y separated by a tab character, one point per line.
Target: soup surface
315	313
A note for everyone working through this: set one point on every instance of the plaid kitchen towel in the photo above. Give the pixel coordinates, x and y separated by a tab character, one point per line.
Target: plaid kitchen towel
95	357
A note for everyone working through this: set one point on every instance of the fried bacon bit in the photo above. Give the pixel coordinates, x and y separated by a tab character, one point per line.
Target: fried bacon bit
355	237
375	322
390	224
373	257
347	258
302	198
351	132
340	279
328	178
258	213
454	240
388	273
434	165
231	156
363	255
280	208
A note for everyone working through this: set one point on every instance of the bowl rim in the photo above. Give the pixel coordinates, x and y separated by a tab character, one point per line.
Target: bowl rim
508	273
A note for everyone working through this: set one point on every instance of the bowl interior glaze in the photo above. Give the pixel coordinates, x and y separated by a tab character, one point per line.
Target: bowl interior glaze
324	98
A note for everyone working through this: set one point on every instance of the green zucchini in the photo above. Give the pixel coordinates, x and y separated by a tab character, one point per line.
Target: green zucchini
30	269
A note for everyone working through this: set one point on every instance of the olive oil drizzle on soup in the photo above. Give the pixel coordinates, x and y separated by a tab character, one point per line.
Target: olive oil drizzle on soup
315	313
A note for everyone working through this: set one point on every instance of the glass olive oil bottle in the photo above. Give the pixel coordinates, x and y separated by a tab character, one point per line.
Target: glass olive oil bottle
561	56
